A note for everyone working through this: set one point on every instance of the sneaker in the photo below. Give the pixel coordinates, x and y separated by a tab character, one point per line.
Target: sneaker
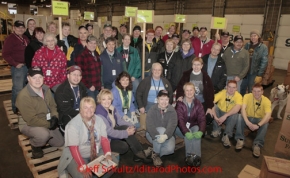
240	144
148	152
215	133
36	152
256	151
156	160
226	140
140	156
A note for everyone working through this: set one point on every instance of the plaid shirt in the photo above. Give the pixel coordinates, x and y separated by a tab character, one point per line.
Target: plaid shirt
91	68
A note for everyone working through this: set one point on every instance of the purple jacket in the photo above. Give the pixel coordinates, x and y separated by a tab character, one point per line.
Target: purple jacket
111	132
197	116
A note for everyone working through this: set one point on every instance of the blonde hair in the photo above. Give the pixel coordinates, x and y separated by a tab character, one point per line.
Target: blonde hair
171	41
188	84
155	64
88	100
199	59
51	23
104	92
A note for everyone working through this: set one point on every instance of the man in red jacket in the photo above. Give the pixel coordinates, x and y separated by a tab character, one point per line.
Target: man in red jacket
203	44
13	52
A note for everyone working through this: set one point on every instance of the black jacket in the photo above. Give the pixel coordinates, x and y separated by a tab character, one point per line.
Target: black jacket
223	50
219	74
30	50
160	45
64	98
137	45
72	41
162	60
26	33
177	67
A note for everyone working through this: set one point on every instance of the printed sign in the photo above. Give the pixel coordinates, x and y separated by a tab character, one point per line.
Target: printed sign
89	15
236	28
145	16
130	11
218	23
59	8
178	18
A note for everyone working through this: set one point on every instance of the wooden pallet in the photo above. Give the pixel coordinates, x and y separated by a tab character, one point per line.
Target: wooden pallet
12	118
45	167
140	135
5	85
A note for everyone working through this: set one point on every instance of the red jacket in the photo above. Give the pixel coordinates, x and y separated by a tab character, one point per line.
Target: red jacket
57	65
197	116
206	49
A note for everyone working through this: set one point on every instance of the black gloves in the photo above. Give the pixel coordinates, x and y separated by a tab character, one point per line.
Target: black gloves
53	123
60	43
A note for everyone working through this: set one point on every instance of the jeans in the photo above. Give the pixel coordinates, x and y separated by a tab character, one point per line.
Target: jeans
239	82
261	133
121	145
135	84
39	136
19	79
165	148
72	168
194	145
247	83
230	122
93	94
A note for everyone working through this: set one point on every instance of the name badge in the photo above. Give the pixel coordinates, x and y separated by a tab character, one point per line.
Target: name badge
199	55
125	111
126	59
114	72
155	101
165	72
149	60
187	125
48	73
222	54
48	116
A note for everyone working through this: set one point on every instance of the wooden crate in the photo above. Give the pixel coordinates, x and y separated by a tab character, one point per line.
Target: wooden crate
140	135
45	167
12	118
5	85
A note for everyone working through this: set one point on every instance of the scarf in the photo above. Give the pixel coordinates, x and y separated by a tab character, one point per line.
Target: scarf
92	138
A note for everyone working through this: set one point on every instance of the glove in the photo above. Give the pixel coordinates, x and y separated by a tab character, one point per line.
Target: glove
258	79
53	123
60	43
189	135
161	138
197	134
134	118
126	118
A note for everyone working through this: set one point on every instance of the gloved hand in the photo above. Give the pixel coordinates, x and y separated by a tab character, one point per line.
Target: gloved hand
60	43
189	135
134	118
197	134
53	123
258	79
161	138
126	118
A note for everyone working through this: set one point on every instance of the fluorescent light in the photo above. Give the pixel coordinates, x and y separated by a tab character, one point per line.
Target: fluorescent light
3	2
47	5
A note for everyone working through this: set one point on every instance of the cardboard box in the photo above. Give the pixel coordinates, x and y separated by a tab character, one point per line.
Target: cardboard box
282	147
287	80
273	167
249	172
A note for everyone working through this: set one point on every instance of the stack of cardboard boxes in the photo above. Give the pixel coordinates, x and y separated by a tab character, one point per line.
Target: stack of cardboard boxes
267	78
274	167
287	78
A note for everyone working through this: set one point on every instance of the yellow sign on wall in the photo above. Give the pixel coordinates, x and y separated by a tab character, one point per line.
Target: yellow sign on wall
59	8
130	11
145	16
236	28
218	23
179	18
89	15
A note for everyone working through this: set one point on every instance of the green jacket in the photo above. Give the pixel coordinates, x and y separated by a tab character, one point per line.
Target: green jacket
33	108
134	67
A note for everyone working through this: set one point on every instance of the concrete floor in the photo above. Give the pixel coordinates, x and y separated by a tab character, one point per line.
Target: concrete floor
13	164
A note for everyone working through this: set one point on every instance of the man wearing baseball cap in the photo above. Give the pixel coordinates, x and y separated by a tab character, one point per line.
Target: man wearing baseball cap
258	61
237	61
68	96
203	44
195	33
185	34
225	41
13	52
107	32
39	113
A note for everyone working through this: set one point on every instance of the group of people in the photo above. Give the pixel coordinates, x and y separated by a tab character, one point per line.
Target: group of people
87	93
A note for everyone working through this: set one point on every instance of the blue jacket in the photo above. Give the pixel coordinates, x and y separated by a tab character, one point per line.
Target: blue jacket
259	59
117	63
117	102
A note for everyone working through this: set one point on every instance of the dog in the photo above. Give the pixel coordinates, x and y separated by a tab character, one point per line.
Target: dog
279	96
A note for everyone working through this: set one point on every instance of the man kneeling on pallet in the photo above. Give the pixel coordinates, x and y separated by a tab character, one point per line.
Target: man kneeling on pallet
256	112
38	109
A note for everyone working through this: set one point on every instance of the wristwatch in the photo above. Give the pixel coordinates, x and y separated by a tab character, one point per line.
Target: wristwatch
258	125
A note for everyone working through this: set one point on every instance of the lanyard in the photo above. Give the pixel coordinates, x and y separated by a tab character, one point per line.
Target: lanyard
155	86
167	60
24	43
95	57
258	104
189	109
76	94
49	60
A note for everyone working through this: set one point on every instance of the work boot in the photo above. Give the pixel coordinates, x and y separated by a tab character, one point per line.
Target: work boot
140	156
36	152
215	133
156	159
148	152
240	144
226	141
256	151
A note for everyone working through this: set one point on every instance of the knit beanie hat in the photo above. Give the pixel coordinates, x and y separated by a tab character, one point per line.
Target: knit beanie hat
257	32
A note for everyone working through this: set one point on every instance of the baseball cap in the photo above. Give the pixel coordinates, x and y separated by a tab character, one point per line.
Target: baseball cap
19	23
238	37
107	25
163	93
225	33
73	68
175	35
195	28
123	25
203	28
186	31
35	70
